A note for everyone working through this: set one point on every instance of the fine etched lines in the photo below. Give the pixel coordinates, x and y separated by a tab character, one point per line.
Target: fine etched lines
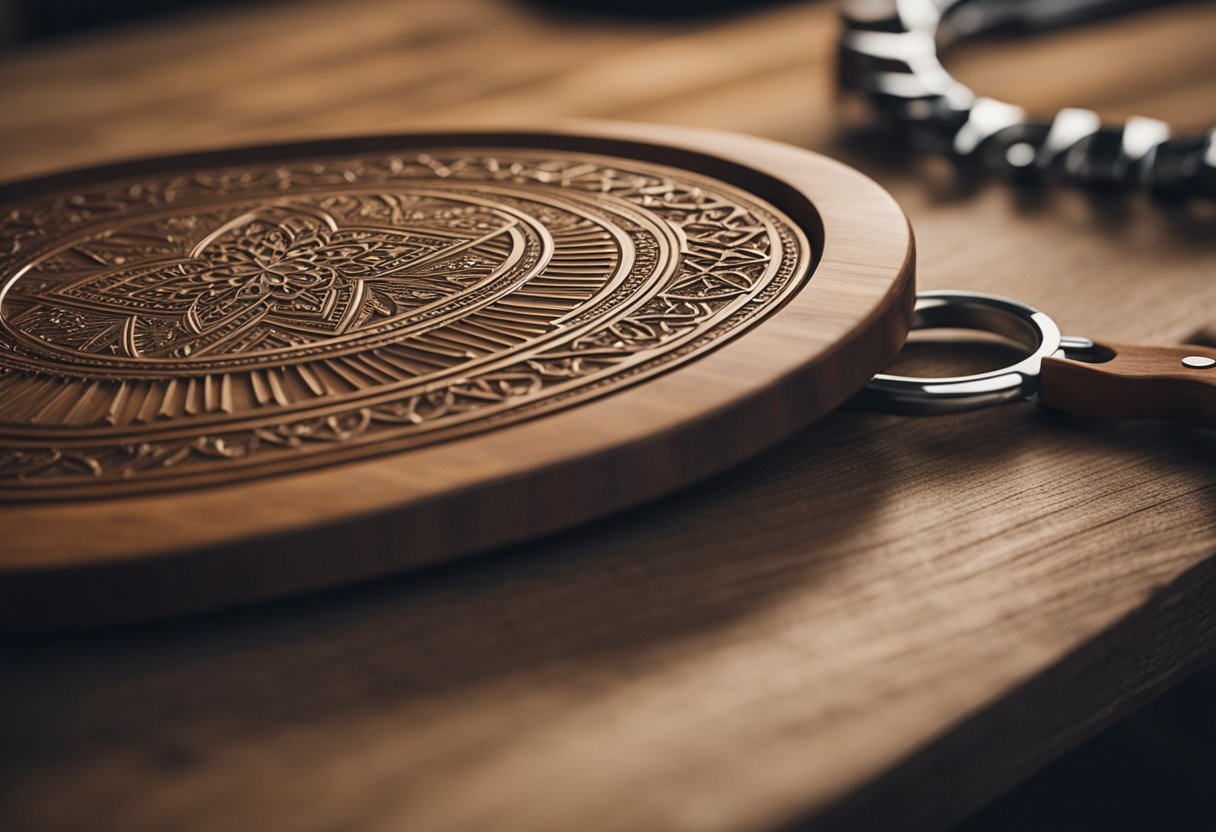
216	324
273	279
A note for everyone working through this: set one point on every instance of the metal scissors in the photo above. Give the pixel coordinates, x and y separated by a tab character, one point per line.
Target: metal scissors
1105	380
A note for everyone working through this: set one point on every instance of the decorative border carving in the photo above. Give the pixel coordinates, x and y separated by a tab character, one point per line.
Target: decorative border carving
740	259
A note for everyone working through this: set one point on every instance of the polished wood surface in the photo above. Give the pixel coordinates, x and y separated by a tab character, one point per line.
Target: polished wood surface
670	377
880	624
1136	382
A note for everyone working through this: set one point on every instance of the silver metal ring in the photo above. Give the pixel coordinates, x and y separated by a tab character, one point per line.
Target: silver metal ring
969	310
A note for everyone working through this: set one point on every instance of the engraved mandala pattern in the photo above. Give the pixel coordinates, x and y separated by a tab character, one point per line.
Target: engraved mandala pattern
192	329
277	277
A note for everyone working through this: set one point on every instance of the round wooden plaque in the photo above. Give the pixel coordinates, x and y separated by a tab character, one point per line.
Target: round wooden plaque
241	374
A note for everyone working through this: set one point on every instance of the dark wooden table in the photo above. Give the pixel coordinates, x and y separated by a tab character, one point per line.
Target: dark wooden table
880	624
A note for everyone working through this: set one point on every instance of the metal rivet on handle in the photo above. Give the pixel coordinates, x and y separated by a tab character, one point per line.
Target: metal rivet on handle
1198	362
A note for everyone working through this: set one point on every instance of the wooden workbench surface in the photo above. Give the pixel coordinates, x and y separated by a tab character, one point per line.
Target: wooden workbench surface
880	624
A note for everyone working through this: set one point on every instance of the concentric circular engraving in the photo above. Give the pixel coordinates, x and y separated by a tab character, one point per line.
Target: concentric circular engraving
207	325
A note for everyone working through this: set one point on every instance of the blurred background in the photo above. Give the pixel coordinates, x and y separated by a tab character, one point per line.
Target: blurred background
82	81
223	71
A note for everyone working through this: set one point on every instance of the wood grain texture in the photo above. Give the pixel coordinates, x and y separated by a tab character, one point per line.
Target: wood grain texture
879	624
1137	382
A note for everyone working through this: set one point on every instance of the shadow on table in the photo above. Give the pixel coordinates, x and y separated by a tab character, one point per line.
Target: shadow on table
1154	770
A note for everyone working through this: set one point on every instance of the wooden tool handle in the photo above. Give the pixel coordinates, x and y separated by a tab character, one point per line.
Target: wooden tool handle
1139	382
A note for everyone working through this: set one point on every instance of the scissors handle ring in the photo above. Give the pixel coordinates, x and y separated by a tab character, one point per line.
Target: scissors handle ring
1022	324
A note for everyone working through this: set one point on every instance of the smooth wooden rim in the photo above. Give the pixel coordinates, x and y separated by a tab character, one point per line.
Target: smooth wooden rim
353	521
